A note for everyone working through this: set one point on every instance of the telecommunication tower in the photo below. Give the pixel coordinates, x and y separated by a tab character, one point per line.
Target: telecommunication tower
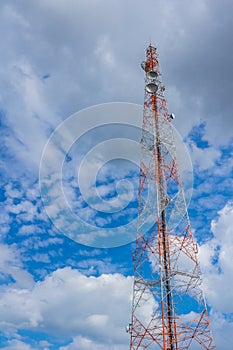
169	310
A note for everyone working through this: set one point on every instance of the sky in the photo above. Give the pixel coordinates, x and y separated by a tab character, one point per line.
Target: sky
71	92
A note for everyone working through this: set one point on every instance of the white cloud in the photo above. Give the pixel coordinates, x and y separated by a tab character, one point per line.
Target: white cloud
79	53
216	262
222	330
23	199
41	258
12	192
30	116
204	158
216	258
10	266
90	53
16	344
70	304
82	343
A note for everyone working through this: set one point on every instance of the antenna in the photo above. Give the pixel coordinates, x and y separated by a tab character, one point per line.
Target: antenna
168	311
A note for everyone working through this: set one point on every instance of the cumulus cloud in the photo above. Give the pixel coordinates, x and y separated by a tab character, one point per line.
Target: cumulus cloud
55	68
56	59
82	343
16	344
69	304
216	256
216	262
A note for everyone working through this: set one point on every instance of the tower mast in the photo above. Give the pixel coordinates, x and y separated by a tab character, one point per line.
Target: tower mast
169	310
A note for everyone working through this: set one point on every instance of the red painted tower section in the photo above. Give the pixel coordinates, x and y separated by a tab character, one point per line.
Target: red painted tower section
169	310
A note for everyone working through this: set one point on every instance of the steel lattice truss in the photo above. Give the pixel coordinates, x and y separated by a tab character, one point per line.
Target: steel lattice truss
169	310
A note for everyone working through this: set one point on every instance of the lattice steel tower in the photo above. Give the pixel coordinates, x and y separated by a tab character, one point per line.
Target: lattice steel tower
169	310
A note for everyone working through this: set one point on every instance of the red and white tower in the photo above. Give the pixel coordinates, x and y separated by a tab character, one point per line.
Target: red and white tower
169	310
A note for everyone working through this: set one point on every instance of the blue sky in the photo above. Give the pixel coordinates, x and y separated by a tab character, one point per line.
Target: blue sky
58	58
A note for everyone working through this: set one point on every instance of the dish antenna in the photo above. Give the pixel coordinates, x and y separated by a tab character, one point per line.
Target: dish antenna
152	75
143	65
162	88
151	88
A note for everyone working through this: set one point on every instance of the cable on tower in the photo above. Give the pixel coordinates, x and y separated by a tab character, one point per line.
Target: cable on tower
169	311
